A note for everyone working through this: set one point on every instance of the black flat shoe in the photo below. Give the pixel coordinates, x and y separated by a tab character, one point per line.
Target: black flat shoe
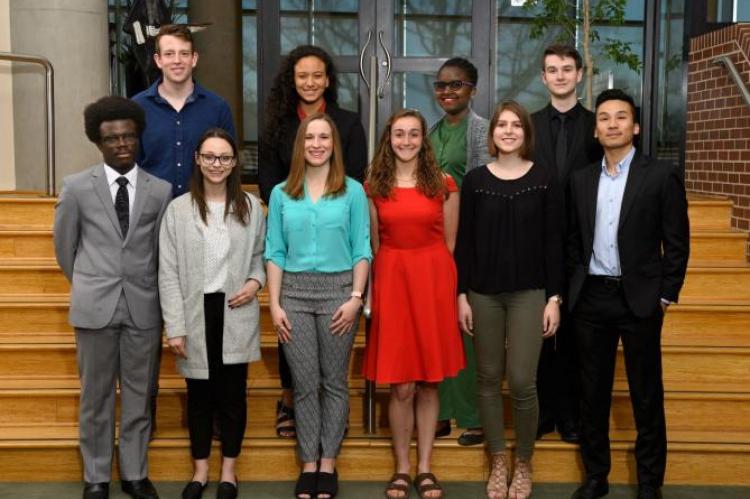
443	428
472	436
544	428
328	484
227	490
569	432
307	484
139	489
96	490
194	490
592	489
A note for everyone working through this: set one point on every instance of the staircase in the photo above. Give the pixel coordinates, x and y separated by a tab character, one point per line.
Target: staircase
706	355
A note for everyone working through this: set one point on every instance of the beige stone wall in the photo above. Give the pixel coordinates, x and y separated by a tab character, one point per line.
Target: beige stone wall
7	161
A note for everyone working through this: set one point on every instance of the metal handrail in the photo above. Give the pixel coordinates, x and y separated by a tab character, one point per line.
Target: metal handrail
49	107
727	63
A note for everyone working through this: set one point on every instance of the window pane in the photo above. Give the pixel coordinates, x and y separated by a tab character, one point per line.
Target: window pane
671	113
433	28
250	96
332	26
348	91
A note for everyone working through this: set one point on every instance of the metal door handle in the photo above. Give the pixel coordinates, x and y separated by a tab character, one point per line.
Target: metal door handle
362	59
381	90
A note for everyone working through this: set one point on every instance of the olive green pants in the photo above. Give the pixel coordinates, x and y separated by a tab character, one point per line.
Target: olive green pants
458	396
507	341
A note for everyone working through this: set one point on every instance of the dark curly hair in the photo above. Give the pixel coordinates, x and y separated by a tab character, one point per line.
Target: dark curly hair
283	98
464	65
111	108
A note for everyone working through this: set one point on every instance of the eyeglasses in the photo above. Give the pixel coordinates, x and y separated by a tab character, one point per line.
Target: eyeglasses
113	140
210	159
441	86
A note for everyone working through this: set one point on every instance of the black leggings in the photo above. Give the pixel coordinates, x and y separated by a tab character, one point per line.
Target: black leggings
224	392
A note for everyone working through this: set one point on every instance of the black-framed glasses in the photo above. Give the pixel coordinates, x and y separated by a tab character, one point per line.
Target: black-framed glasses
113	140
210	159
451	85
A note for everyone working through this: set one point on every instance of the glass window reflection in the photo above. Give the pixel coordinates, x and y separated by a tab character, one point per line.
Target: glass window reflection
439	28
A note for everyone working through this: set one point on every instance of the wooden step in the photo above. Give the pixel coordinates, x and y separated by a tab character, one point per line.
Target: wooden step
272	459
718	245
27	211
15	243
691	417
730	283
709	213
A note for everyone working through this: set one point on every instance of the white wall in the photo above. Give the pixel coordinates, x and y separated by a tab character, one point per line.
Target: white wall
7	149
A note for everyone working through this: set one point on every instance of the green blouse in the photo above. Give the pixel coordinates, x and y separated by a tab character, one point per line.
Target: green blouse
449	144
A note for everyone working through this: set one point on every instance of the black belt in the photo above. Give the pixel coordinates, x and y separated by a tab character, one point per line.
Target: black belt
606	280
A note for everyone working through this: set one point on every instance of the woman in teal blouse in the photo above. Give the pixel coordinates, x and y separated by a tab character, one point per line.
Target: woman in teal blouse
317	258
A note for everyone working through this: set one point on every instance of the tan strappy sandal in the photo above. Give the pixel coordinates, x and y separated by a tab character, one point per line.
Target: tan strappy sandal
497	483
520	487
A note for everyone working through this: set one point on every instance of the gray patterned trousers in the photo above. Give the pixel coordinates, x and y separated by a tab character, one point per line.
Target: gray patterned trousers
319	360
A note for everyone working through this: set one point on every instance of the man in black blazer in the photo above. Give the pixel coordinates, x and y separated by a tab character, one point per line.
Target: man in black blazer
564	142
628	246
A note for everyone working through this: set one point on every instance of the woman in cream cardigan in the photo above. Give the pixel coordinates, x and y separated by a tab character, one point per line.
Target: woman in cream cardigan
210	270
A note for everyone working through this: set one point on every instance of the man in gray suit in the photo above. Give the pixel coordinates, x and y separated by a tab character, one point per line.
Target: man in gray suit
106	242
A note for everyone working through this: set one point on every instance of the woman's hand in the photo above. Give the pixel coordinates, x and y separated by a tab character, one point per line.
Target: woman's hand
281	324
246	294
465	315
344	316
551	318
177	346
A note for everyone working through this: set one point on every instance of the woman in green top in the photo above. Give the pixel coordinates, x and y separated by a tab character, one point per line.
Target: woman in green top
459	140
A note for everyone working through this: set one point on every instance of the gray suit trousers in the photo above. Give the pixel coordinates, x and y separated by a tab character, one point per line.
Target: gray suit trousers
119	351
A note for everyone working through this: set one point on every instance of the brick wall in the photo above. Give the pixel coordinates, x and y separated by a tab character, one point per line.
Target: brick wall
717	156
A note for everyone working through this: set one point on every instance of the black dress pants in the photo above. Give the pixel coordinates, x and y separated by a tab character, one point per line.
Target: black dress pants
224	392
602	317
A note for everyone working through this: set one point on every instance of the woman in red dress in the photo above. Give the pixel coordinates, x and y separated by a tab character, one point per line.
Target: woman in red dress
414	341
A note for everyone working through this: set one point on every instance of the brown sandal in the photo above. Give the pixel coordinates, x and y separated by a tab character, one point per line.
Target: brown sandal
520	487
497	483
394	486
423	488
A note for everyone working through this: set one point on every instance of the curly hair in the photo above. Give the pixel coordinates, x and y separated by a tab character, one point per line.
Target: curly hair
381	177
283	97
464	65
236	201
111	108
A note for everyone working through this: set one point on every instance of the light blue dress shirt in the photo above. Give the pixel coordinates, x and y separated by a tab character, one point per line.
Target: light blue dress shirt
605	259
330	235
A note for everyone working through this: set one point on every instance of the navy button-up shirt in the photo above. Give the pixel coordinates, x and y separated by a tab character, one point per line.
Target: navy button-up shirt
170	137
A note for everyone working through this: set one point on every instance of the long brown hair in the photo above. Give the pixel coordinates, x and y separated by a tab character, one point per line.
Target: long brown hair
527	149
381	176
336	181
236	201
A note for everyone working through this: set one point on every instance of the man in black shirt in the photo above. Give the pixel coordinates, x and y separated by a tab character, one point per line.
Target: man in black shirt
564	142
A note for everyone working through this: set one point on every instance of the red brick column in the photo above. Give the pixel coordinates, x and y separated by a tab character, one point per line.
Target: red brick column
717	156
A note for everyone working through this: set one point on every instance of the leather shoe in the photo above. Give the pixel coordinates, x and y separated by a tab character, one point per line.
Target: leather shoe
591	489
194	490
96	490
544	428
649	492
569	433
227	490
140	489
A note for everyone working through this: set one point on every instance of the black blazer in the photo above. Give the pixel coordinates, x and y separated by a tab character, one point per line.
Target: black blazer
274	159
584	149
653	233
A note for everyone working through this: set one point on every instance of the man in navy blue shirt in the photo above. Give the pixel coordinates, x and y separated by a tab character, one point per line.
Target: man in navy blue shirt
178	110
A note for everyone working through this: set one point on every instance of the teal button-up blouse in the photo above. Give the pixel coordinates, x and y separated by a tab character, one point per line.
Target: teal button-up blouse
330	235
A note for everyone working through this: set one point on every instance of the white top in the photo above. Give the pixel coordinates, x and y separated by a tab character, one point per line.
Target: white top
113	175
215	248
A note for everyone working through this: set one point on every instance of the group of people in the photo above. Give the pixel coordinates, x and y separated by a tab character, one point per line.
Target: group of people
523	247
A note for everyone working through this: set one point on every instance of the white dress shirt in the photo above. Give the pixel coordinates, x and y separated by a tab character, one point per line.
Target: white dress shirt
113	175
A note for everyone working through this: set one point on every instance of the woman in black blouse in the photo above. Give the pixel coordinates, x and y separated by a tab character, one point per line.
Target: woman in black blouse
509	260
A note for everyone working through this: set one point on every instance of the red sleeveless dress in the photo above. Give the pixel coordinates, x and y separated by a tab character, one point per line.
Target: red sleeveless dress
414	333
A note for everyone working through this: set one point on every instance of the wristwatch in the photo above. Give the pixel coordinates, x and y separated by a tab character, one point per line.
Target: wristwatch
556	298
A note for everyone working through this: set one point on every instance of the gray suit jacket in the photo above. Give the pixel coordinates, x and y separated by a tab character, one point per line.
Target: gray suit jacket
476	141
99	264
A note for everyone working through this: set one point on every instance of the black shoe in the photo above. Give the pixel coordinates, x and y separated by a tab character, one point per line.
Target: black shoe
591	489
194	490
472	436
140	489
227	490
569	432
544	428
307	484
649	492
328	483
443	428
96	490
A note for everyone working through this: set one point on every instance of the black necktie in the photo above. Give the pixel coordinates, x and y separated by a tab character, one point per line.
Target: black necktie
122	205
561	148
